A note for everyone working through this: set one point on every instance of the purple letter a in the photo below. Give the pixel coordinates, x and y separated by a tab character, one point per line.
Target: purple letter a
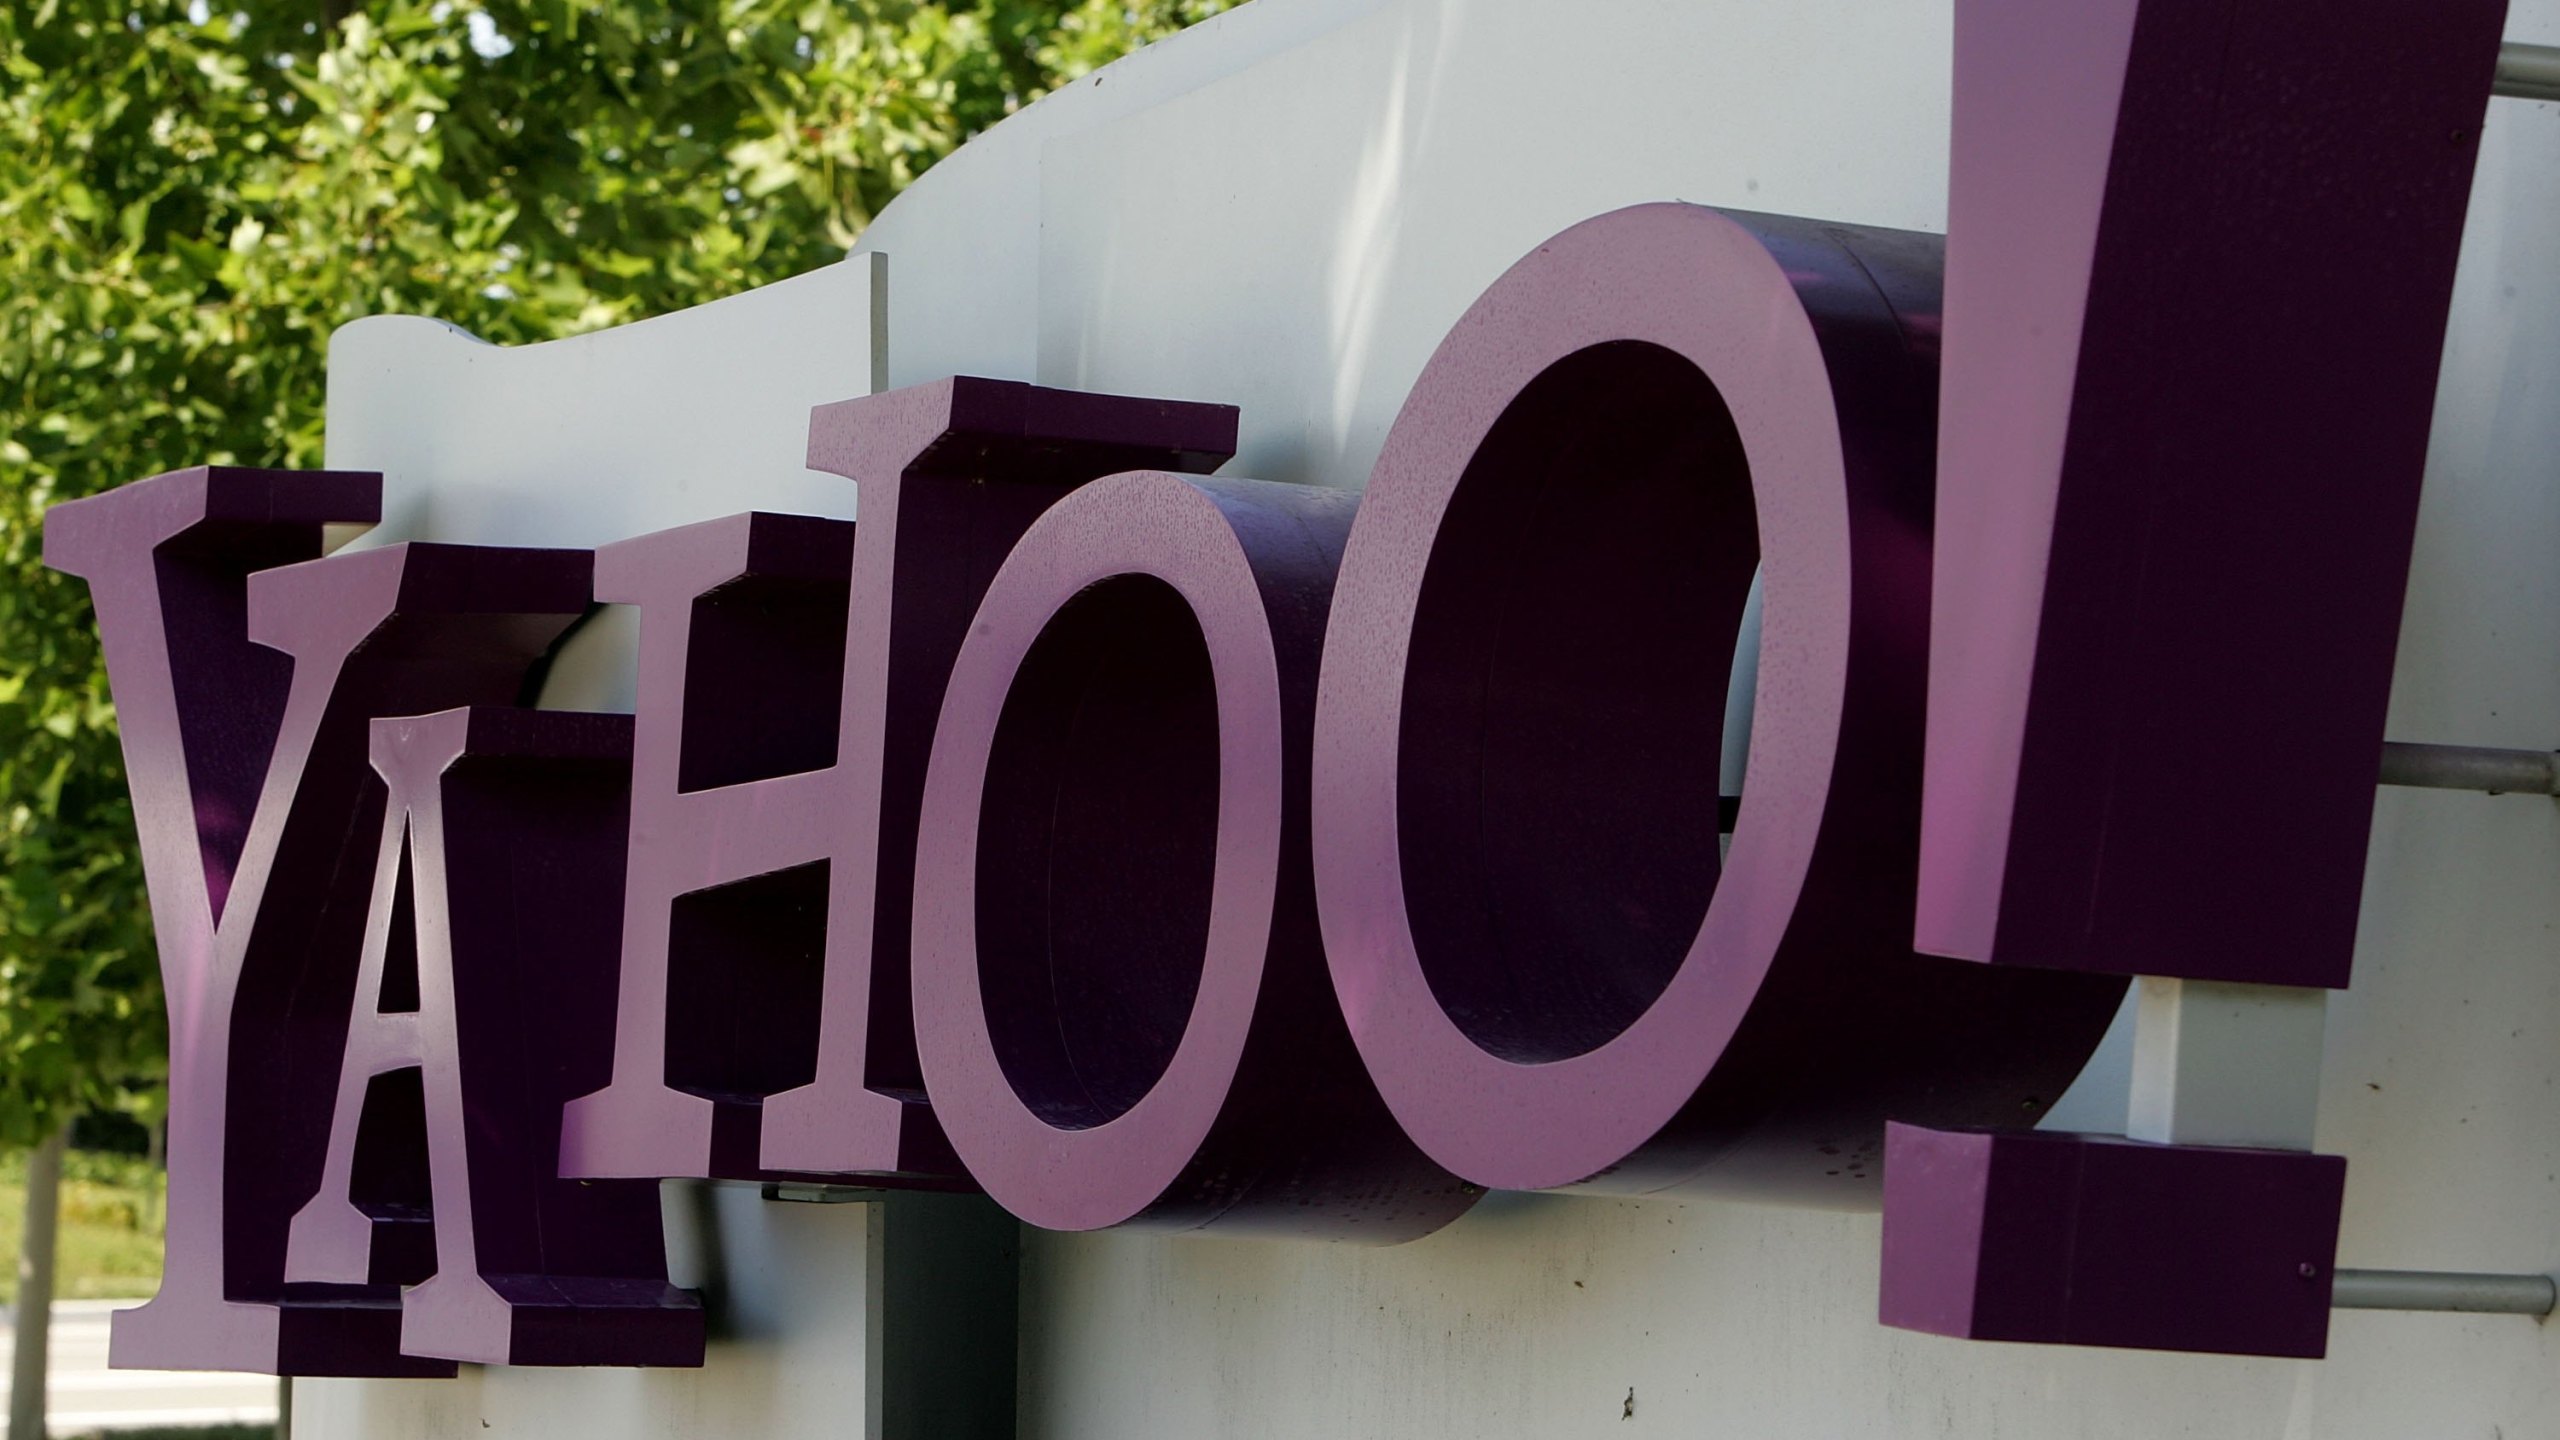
244	699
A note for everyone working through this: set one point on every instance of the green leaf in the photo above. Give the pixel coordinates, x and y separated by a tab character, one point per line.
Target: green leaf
187	212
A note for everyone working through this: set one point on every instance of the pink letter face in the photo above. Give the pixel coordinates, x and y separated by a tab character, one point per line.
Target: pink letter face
1556	971
2198	264
2028	1235
790	672
244	700
487	992
724	919
2199	258
1120	992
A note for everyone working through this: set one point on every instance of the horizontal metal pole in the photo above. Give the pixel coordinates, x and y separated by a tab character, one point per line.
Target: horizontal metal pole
805	1192
2426	767
2471	767
2444	1290
2528	72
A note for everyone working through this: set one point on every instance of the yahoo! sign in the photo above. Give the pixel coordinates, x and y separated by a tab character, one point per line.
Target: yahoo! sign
1150	847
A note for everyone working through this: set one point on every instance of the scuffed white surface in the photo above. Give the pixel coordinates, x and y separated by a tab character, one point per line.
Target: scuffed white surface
604	436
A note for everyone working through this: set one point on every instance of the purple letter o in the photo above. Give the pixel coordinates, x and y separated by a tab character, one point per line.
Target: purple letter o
1553	974
1122	1006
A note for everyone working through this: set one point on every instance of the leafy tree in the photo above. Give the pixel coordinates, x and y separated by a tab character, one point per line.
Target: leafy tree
193	195
192	198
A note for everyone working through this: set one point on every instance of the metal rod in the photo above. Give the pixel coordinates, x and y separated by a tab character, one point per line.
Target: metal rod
811	1192
2527	72
2470	767
2444	1290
